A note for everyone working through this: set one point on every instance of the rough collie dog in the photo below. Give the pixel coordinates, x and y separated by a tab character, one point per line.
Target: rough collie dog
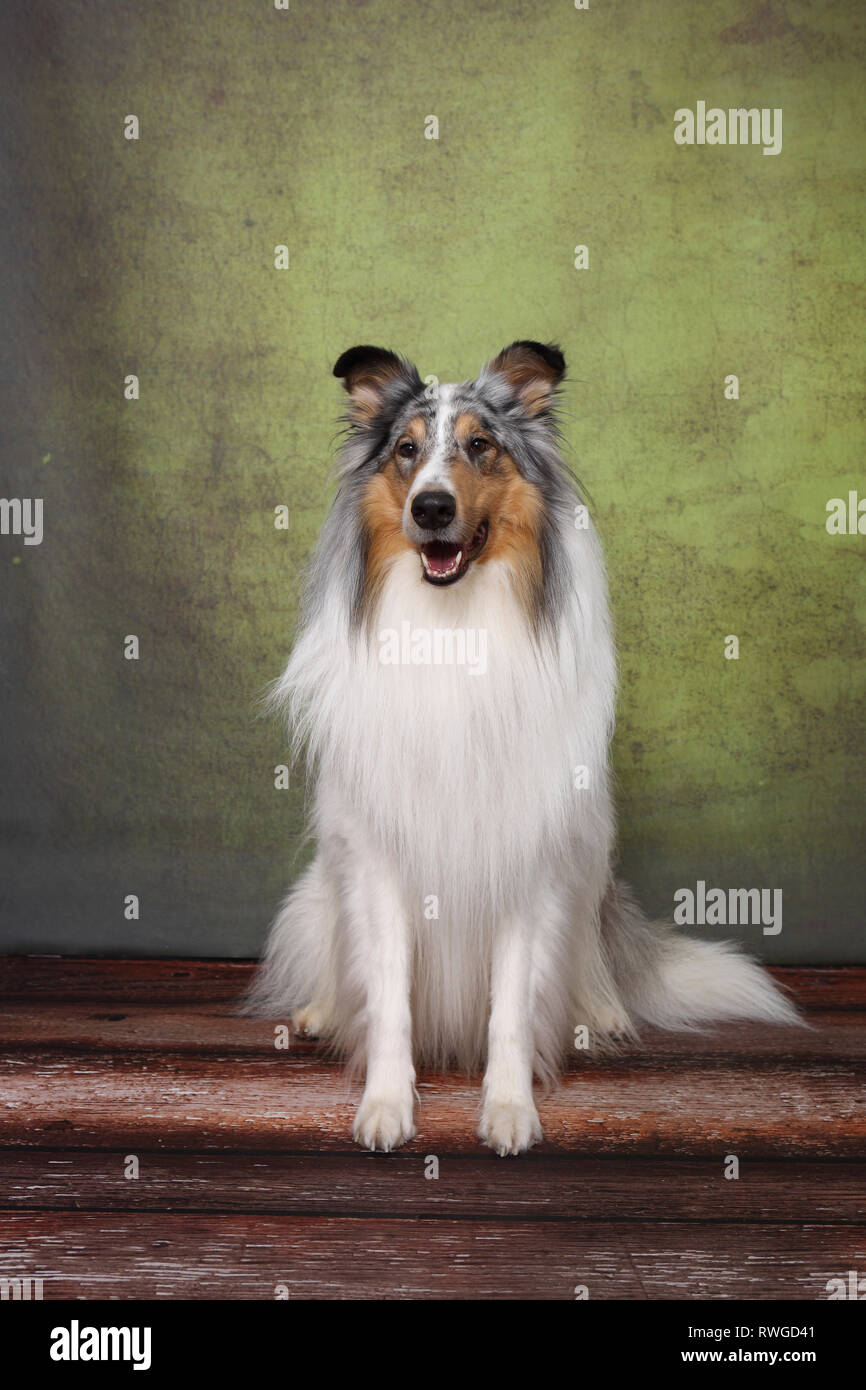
461	907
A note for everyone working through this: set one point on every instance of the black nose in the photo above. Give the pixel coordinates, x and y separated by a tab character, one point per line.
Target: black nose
433	510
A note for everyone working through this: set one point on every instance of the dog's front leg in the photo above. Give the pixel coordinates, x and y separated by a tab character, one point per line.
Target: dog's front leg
383	960
509	1120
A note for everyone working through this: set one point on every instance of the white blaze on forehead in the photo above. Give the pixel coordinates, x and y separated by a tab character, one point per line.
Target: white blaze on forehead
435	471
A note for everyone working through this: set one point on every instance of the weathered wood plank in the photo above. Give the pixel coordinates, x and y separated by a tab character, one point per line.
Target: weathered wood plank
102	977
243	1256
824	986
159	981
129	1027
215	1028
248	1178
639	1106
539	1187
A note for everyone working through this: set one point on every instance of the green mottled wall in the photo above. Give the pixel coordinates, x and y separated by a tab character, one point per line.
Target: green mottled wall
156	258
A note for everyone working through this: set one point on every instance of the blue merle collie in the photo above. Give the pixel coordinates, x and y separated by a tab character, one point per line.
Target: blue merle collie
461	906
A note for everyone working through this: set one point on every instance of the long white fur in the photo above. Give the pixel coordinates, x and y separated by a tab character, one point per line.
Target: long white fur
439	790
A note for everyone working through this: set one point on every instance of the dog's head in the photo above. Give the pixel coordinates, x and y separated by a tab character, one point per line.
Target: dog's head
455	473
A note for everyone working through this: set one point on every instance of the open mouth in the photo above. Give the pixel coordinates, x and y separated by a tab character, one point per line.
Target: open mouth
445	562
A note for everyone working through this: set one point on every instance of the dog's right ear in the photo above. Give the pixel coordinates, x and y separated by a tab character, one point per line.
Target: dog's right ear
374	377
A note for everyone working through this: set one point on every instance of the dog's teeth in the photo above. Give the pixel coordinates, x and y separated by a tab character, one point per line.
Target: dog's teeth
453	567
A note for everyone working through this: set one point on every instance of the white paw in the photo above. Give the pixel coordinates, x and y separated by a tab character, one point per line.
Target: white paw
384	1122
312	1021
509	1126
611	1022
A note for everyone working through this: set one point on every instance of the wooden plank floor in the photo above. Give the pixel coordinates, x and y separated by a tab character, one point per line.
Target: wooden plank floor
248	1183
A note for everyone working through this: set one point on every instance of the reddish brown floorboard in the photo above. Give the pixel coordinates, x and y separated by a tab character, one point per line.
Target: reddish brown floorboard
248	1179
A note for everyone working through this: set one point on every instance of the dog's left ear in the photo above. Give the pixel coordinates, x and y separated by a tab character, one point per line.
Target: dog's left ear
373	377
532	370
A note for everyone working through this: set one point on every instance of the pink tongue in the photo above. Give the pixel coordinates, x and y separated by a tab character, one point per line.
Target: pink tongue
441	563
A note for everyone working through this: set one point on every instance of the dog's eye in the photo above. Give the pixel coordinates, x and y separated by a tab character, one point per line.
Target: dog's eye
478	444
407	448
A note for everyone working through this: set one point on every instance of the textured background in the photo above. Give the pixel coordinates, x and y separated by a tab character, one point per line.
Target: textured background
556	127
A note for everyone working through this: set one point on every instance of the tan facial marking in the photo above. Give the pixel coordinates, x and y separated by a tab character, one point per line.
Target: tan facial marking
492	489
416	429
467	427
382	517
